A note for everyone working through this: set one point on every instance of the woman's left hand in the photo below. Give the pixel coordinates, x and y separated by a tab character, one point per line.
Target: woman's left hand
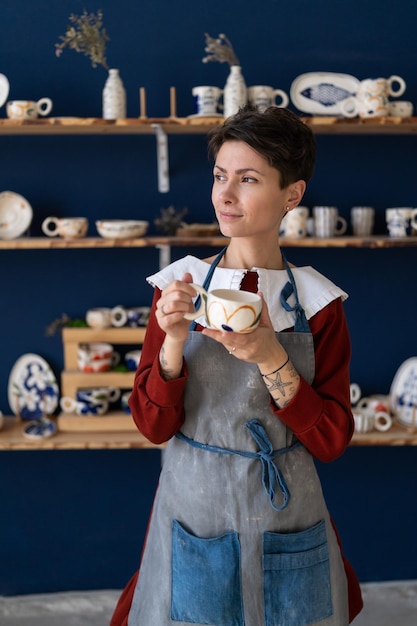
259	346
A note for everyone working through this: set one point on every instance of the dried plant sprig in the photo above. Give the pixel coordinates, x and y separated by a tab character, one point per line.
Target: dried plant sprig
220	50
86	34
170	220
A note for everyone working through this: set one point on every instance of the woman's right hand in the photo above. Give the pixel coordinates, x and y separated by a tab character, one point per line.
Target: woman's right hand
175	300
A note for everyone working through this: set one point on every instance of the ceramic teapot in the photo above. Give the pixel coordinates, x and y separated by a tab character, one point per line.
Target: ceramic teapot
4	89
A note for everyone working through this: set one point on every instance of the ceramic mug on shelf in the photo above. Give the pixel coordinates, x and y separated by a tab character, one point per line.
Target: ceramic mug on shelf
124	402
328	222
28	109
400	220
294	224
371	98
401	108
93	401
66	227
368	420
206	100
228	309
362	220
132	359
97	357
138	316
98	317
264	96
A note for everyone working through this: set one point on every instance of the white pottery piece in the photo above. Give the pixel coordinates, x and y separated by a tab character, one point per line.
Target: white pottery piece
15	215
114	97
32	390
235	93
321	93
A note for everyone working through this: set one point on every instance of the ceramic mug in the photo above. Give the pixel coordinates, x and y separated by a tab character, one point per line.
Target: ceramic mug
327	222
400	220
264	96
138	316
98	317
362	220
228	309
28	109
124	402
66	227
206	100
375	403
96	357
132	359
366	421
401	108
90	401
294	223
371	98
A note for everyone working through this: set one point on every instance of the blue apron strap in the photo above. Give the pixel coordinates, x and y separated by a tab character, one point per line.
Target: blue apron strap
207	281
290	288
271	475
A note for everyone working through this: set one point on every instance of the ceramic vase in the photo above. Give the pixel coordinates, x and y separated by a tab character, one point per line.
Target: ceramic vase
114	97
235	92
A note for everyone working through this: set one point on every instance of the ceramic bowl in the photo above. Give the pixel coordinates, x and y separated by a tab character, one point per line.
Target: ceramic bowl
121	229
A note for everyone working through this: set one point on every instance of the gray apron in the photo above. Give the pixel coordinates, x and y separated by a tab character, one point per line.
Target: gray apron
240	534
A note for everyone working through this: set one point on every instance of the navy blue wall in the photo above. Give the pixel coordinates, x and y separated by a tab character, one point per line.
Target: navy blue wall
76	520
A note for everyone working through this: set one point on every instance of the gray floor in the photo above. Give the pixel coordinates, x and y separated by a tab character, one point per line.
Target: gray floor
386	604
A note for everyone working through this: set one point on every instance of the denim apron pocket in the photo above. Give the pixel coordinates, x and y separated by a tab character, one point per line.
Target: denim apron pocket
296	572
206	584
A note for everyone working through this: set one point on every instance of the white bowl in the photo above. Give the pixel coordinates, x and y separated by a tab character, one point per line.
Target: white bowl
121	229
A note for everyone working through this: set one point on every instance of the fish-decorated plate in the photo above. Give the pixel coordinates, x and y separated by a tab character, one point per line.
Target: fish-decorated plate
321	93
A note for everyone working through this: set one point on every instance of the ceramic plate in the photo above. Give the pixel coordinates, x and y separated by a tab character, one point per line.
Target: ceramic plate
403	392
40	429
33	390
15	215
321	93
4	89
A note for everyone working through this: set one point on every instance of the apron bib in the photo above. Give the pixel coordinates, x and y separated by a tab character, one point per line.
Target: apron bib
240	534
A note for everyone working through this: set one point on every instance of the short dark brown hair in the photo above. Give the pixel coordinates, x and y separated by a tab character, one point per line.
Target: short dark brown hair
277	134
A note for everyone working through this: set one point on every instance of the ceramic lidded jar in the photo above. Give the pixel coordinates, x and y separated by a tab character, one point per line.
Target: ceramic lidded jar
114	97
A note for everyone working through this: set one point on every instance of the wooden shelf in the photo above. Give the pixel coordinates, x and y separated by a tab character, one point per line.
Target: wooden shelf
35	243
184	125
11	438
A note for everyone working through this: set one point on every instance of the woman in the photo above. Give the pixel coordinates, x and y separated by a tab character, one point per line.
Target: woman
240	534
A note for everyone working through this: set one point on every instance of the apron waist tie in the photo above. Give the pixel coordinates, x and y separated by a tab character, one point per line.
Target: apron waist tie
271	475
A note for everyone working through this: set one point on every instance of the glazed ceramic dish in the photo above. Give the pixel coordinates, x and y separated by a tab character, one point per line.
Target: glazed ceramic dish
15	215
121	229
321	93
32	390
403	392
4	89
40	429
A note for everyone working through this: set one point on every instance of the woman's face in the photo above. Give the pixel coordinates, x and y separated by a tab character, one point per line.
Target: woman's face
246	194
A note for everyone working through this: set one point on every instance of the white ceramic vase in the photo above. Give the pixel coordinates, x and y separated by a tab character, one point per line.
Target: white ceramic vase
235	94
114	97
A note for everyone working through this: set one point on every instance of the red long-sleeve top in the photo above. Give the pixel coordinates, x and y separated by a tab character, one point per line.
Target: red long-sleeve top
319	414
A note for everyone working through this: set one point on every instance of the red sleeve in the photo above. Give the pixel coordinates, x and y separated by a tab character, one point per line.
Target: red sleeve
156	404
320	414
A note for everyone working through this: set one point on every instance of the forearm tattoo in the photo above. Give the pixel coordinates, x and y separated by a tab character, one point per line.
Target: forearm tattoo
282	385
166	372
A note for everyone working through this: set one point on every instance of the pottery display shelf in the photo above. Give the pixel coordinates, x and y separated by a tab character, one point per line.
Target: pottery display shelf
190	125
11	438
73	379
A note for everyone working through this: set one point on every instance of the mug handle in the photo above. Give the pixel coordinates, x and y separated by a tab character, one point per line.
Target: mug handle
193	316
342	227
44	106
401	85
349	107
46	227
114	392
382	421
115	359
414	219
67	404
284	98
